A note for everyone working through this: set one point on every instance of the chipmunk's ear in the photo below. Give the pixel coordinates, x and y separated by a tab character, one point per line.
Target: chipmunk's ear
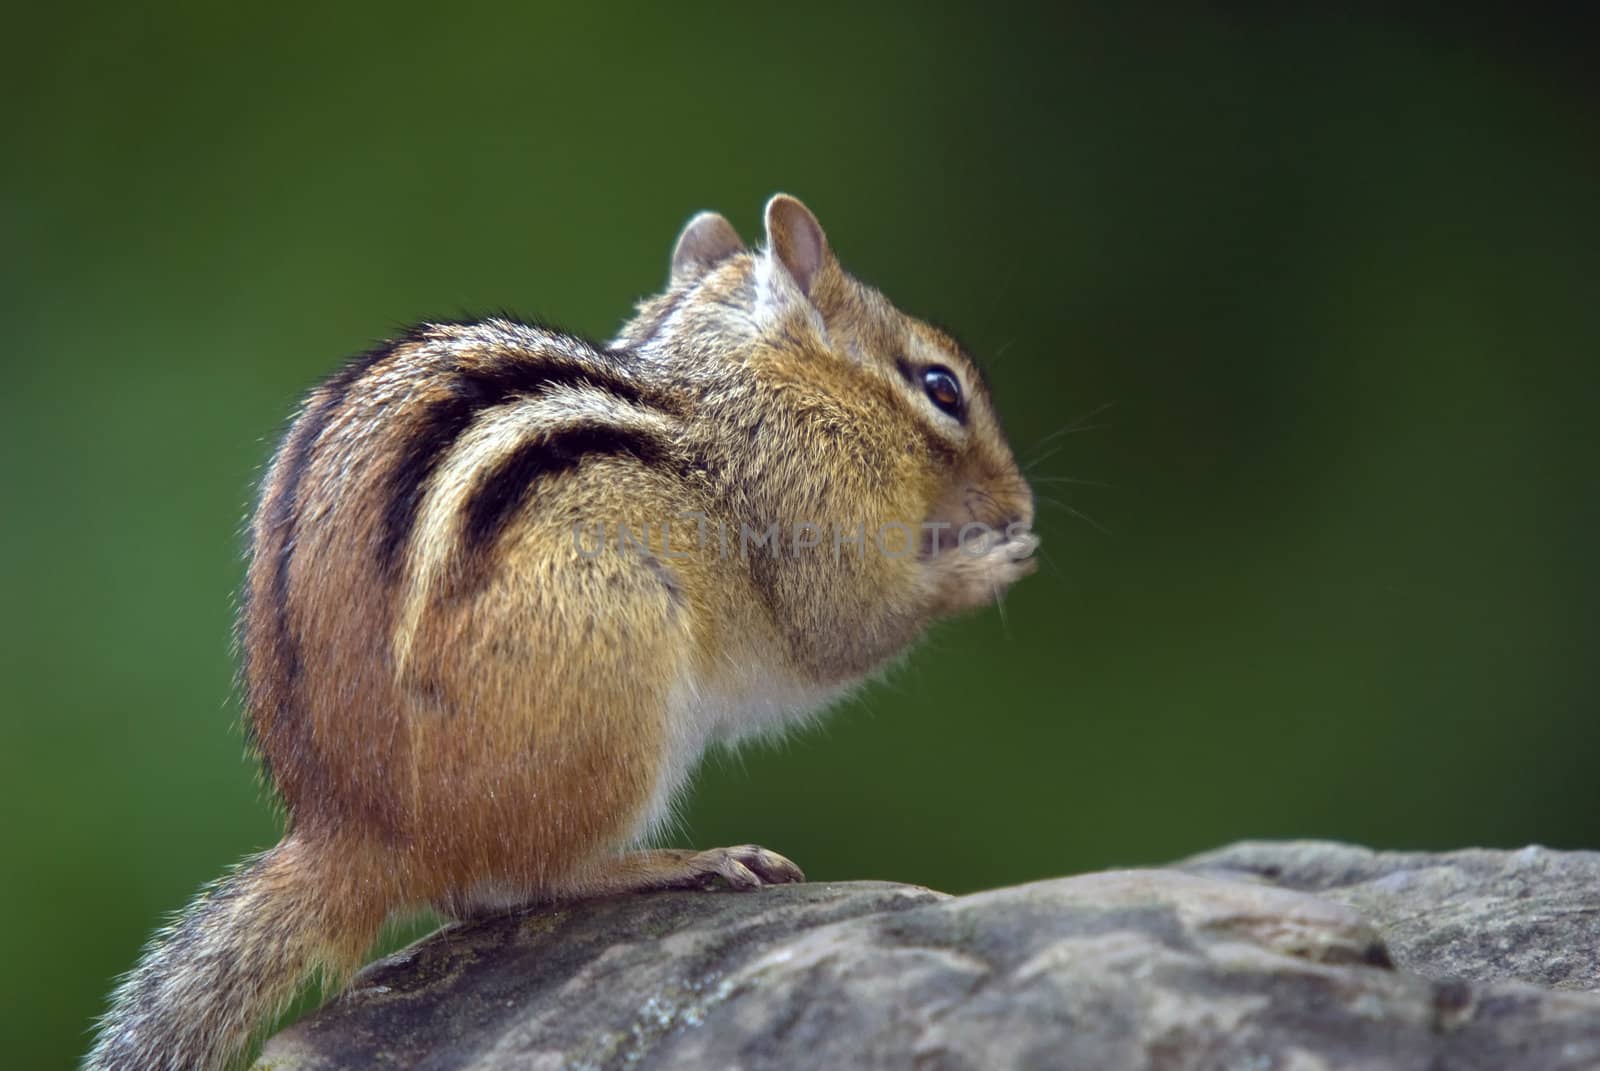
707	240
795	240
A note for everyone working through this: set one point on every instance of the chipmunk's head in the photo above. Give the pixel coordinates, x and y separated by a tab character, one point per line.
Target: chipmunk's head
904	407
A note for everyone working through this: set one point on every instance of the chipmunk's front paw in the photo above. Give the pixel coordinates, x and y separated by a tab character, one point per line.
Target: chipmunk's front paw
747	866
978	568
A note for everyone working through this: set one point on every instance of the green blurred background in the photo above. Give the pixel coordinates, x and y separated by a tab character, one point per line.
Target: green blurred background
1316	296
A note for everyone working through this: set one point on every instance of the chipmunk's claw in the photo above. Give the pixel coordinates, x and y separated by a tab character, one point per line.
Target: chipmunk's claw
747	866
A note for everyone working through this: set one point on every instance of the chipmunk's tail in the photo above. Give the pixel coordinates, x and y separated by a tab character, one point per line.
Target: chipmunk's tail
234	958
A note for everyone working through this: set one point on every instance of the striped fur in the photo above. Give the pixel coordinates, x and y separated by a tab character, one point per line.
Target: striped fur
480	384
460	708
504	489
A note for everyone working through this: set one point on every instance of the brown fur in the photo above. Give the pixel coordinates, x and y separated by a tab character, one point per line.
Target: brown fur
459	708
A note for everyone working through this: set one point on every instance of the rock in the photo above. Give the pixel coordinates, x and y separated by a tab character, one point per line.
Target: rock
1224	963
1531	915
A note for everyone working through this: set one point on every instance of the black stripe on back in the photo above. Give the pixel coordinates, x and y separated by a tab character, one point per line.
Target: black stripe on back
507	485
282	513
303	437
471	392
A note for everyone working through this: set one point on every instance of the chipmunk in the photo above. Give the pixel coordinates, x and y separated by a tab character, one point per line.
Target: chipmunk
463	704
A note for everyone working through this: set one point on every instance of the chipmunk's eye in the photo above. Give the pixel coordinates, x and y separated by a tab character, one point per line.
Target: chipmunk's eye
944	390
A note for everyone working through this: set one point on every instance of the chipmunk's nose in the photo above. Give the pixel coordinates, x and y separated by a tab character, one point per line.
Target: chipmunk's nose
1020	517
1002	504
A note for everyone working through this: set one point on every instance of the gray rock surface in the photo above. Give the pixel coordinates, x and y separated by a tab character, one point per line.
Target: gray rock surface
1531	915
1224	963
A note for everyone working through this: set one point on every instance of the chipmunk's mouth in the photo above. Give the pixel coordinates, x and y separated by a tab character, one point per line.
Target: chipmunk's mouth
973	564
978	539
